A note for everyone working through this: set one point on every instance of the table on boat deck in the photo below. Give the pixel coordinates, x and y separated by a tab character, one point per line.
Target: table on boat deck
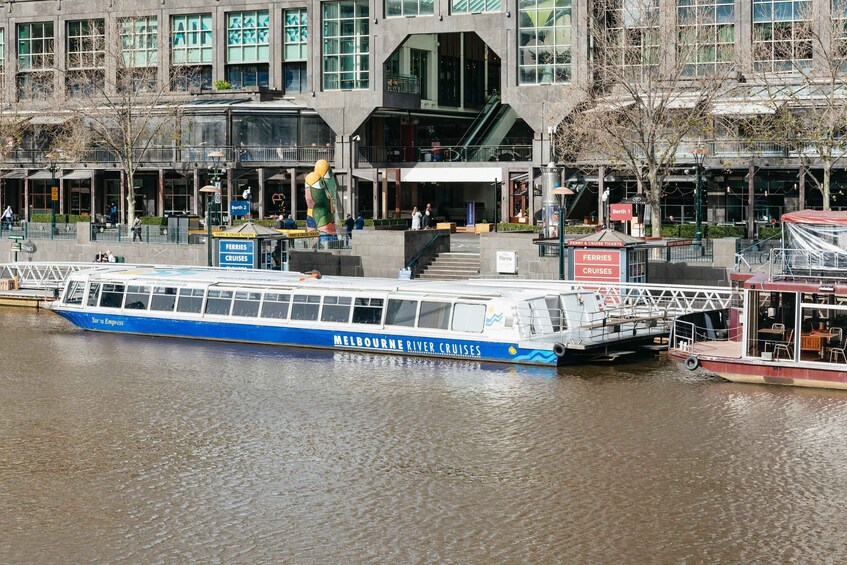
771	335
815	341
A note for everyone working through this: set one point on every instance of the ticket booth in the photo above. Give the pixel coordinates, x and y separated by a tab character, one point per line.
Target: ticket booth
250	246
608	256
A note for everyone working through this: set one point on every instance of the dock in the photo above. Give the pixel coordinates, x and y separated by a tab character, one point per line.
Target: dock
25	298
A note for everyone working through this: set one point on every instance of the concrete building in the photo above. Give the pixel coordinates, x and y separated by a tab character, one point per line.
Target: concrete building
441	101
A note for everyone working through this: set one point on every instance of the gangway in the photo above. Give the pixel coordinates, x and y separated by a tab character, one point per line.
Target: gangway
42	275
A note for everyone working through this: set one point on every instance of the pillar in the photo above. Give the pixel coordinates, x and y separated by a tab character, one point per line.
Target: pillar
228	192
376	190
61	196
293	196
601	188
160	193
261	198
25	214
384	194
802	189
123	195
195	196
751	202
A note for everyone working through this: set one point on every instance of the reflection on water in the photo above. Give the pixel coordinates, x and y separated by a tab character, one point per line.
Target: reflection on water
122	448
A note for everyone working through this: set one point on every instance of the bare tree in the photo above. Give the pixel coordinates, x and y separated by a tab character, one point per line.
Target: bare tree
115	89
656	69
803	68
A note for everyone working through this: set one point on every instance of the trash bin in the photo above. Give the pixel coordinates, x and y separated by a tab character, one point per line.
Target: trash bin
179	225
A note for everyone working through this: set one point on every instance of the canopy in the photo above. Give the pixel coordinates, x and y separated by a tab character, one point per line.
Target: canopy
818	217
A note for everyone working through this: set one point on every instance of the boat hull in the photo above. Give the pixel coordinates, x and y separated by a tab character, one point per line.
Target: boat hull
377	341
756	371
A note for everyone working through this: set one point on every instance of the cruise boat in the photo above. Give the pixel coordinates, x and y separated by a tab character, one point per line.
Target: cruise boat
512	322
790	329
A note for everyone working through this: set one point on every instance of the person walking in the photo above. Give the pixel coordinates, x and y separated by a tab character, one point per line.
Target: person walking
7	217
349	224
360	222
136	229
416	218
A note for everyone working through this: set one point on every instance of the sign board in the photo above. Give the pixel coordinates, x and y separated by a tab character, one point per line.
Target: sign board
404	275
239	208
507	262
27	246
236	254
54	193
470	213
217	198
620	212
597	265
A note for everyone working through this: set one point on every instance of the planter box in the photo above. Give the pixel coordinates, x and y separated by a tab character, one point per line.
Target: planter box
446	226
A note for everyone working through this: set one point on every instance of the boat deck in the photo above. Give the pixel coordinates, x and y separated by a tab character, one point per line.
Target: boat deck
729	349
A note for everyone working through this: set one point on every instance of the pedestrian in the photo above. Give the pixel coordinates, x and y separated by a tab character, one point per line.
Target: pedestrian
113	214
278	222
109	257
360	222
289	224
427	217
136	229
416	218
99	257
7	217
349	224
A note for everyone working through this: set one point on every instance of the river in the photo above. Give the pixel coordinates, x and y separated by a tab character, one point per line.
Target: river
144	450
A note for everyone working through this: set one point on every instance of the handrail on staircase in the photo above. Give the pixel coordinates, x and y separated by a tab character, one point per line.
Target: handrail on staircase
414	260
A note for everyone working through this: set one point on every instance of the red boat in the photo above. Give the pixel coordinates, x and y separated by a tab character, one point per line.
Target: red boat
791	328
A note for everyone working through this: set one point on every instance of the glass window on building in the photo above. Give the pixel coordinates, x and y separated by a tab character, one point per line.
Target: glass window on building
346	45
401	8
139	41
782	34
296	40
35	46
241	76
706	35
191	39
264	129
247	37
839	27
631	39
544	41
475	6
86	47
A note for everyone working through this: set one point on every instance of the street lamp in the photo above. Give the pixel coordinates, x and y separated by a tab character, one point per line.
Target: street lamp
699	154
52	157
210	190
560	193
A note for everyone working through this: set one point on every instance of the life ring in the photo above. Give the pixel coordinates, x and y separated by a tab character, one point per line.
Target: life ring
559	349
692	362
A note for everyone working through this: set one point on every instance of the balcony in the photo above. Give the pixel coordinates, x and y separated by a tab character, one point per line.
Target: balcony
402	91
379	155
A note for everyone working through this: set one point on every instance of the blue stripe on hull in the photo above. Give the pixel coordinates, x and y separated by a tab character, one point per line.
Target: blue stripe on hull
324	339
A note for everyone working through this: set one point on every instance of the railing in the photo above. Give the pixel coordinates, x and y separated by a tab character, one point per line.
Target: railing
751	252
445	153
413	262
319	243
802	263
702	252
402	84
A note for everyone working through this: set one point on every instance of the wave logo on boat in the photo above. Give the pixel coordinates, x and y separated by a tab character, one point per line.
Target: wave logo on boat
494	319
536	356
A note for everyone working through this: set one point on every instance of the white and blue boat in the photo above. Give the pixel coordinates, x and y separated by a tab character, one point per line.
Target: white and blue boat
499	321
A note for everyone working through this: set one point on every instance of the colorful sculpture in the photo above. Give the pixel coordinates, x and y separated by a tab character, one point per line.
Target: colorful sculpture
321	193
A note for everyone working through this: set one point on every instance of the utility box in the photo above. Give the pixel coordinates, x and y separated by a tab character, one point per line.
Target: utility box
179	225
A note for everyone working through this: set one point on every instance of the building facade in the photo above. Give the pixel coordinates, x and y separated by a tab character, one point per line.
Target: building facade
412	102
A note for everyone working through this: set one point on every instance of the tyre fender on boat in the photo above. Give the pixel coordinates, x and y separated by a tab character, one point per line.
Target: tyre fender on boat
559	349
692	362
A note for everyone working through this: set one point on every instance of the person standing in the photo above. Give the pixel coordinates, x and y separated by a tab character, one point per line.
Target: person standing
7	217
289	223
416	218
360	222
349	224
427	217
136	229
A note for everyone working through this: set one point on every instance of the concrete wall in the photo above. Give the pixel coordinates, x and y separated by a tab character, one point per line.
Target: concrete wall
326	263
384	252
530	265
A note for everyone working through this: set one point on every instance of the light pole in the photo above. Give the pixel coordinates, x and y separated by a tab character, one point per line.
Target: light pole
699	154
216	171
560	193
210	190
52	157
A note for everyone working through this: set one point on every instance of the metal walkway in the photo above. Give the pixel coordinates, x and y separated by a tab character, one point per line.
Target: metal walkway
46	275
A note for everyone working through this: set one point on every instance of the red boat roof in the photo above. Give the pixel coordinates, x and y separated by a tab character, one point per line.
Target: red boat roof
760	281
819	217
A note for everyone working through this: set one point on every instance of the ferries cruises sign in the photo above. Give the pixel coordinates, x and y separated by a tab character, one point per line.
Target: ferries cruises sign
236	254
597	265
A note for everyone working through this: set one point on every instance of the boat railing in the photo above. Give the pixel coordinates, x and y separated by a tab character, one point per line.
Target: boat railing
685	335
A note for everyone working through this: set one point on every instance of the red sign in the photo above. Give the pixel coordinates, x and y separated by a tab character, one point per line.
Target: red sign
597	265
620	212
586	243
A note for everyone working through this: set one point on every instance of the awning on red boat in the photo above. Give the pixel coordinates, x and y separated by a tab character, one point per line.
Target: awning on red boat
819	217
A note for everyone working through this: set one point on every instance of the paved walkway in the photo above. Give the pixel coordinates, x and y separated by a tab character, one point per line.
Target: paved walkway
464	242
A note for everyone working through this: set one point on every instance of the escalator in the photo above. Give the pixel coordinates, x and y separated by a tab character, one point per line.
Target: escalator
491	126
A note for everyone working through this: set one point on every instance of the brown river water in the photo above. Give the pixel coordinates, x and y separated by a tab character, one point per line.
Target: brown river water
141	450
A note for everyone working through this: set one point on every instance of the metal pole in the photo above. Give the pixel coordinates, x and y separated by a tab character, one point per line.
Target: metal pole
209	231
561	238
698	207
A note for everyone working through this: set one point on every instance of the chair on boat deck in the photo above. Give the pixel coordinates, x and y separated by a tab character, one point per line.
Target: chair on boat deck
785	346
837	351
778	327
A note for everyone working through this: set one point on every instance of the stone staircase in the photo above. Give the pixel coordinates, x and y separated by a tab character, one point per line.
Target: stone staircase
452	266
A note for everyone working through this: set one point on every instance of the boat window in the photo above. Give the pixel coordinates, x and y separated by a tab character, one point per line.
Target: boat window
164	299
276	305
219	302
336	309
368	311
246	304
305	307
73	295
93	294
555	309
469	317
137	297
190	300
401	313
434	315
111	296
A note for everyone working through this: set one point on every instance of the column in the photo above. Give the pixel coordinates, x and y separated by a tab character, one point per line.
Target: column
601	188
124	204
751	202
25	212
261	197
384	194
376	191
160	196
293	196
228	192
195	200
61	196
802	189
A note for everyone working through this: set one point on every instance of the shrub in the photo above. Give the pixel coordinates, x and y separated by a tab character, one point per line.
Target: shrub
222	85
154	221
